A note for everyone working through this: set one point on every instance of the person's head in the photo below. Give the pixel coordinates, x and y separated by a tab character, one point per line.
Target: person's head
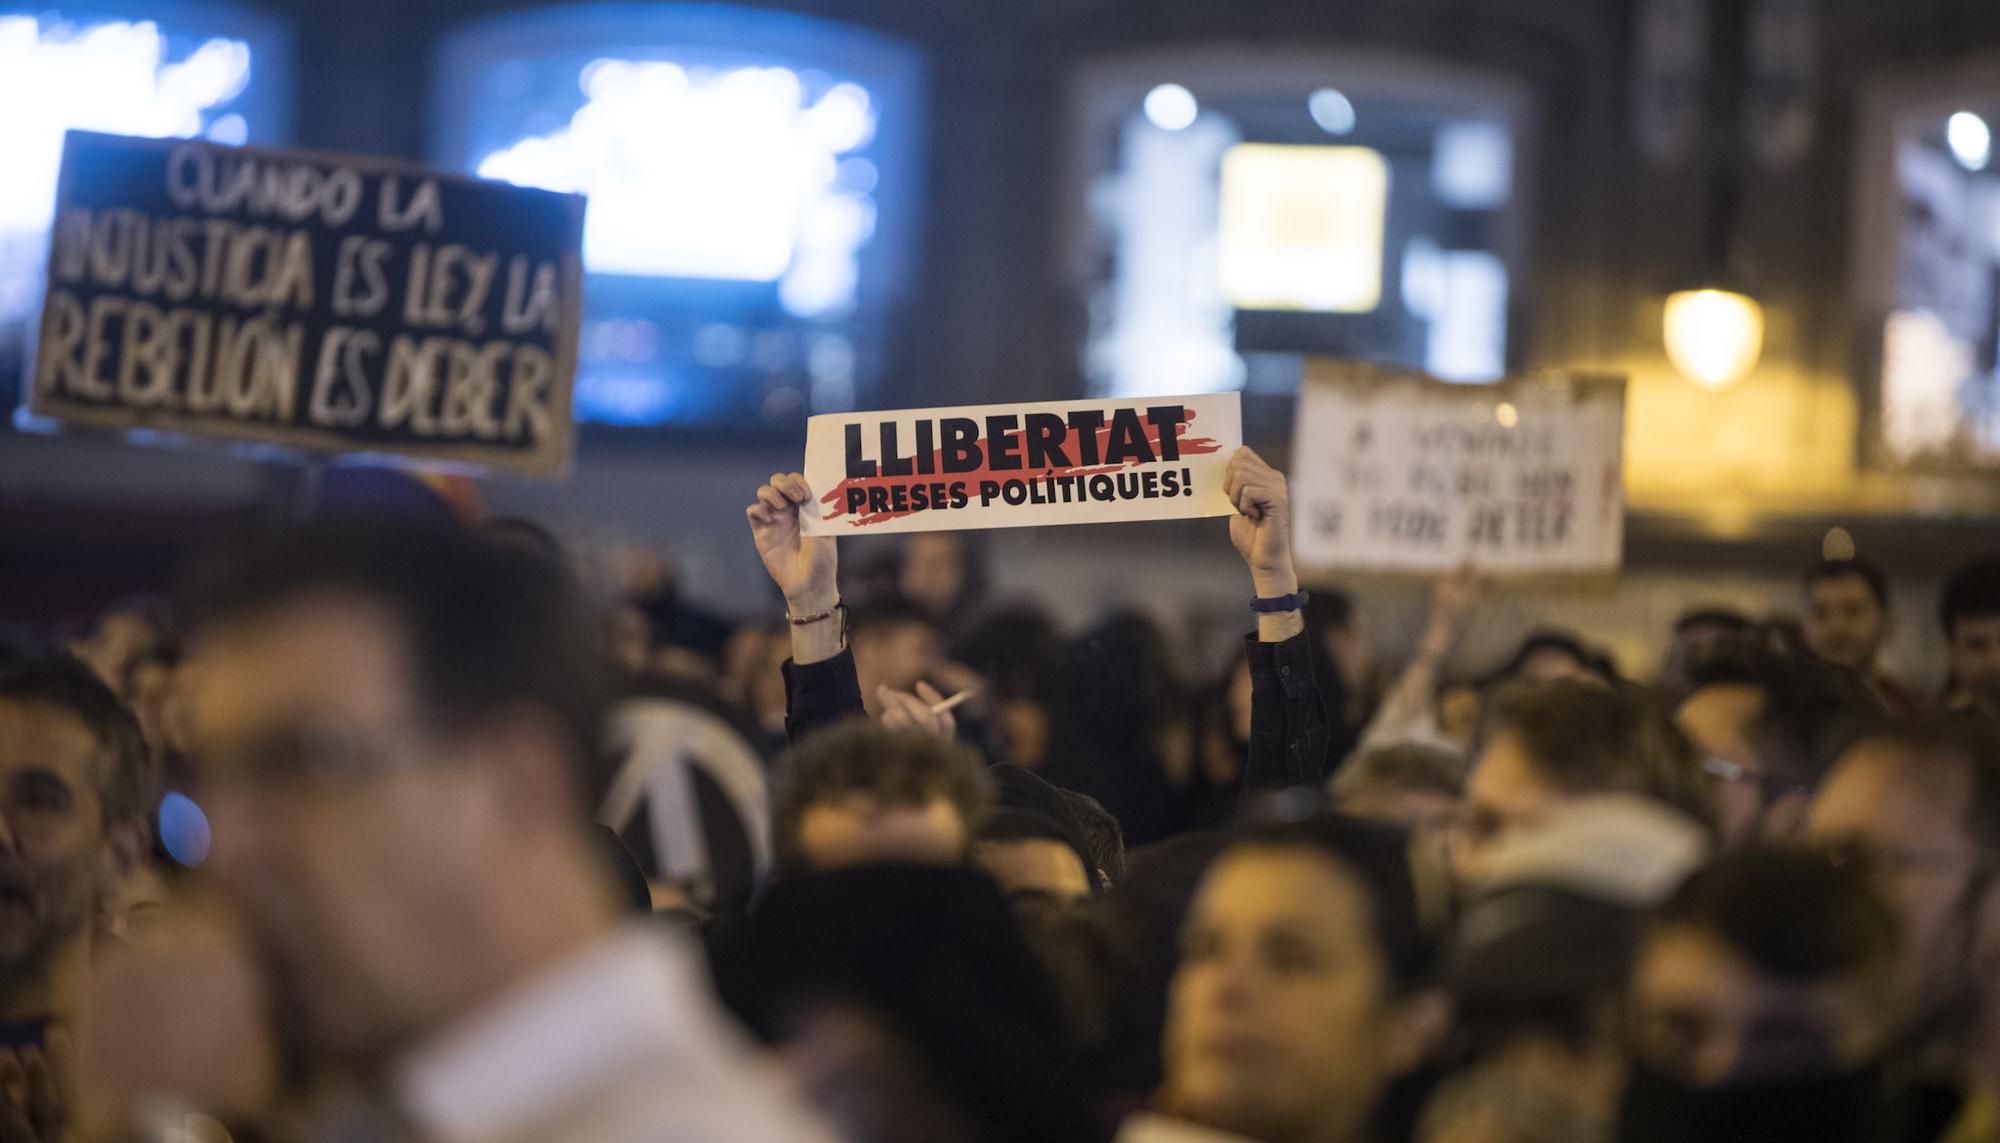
126	630
76	786
1549	743
1103	837
1033	842
1768	727
895	645
1304	987
395	729
1407	784
1969	609
1770	964
152	694
1458	704
1549	655
857	793
939	572
904	1003
1923	808
1846	612
1699	636
1343	632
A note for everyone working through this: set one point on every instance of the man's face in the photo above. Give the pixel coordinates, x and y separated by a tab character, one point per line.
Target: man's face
1504	792
897	657
55	856
857	829
1718	720
1975	658
1036	866
1844	623
348	833
1704	1015
1908	815
1280	1020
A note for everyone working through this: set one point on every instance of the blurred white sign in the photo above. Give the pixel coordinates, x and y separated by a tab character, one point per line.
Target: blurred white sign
1395	471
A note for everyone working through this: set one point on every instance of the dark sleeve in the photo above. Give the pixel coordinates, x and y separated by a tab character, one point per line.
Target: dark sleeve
820	694
1288	730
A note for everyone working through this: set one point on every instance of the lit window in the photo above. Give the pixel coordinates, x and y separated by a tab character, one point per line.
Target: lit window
1229	237
739	164
187	73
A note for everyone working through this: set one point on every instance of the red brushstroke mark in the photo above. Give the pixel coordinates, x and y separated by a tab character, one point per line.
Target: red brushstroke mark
836	498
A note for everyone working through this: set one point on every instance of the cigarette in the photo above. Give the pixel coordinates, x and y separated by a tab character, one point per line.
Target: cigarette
947	704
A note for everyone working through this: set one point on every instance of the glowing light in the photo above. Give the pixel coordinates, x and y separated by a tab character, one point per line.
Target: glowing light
1330	109
1507	415
1714	337
736	175
184	829
115	76
1302	227
1171	107
1970	140
1837	545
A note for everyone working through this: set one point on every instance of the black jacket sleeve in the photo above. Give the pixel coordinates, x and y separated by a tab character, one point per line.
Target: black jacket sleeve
1288	727
820	694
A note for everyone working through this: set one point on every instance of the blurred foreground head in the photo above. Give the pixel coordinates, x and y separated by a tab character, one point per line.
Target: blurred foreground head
1770	989
394	727
1303	990
857	793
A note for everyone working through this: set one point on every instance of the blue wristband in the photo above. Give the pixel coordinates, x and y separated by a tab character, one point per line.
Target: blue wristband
1265	605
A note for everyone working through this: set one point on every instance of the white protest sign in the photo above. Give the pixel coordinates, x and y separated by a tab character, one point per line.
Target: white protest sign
1012	466
1394	471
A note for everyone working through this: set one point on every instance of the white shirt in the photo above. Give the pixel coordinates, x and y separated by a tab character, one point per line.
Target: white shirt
622	1043
1146	1127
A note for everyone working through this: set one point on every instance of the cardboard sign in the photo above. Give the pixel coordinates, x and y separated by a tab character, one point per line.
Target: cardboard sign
1398	472
1013	466
330	303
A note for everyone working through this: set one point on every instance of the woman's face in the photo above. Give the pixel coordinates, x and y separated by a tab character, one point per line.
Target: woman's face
1281	1024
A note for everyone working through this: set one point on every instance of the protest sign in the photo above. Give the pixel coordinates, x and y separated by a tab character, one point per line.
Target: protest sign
329	303
1011	466
1398	472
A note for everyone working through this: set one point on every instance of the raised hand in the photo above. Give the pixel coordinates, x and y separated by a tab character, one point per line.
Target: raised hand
902	708
1262	528
802	566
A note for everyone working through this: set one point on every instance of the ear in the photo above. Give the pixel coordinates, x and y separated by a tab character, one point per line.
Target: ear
1417	1025
1786	817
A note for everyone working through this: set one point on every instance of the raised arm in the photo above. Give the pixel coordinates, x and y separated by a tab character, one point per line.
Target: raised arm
820	684
1408	713
1288	728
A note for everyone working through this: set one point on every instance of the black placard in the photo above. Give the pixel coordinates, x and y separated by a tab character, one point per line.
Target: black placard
327	302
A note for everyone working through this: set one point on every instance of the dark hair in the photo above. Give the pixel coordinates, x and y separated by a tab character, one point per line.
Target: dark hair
1732	621
1858	568
879	617
1596	662
124	775
1812	711
1794	913
488	625
1972	592
1590	739
1378	858
901	767
1102	835
1328	610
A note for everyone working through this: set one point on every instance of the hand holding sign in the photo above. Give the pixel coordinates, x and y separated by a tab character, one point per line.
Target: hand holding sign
1262	533
802	566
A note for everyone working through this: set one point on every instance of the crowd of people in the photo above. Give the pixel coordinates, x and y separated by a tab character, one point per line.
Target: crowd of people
391	831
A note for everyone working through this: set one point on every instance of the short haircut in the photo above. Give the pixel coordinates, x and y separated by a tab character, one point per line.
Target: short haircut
1378	858
1857	568
488	626
1592	740
1972	592
1730	620
1329	610
1793	913
878	618
123	775
858	758
1812	711
1562	642
1406	767
1102	835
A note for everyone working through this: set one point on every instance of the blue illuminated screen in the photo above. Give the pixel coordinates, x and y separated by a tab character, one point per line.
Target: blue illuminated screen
742	169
